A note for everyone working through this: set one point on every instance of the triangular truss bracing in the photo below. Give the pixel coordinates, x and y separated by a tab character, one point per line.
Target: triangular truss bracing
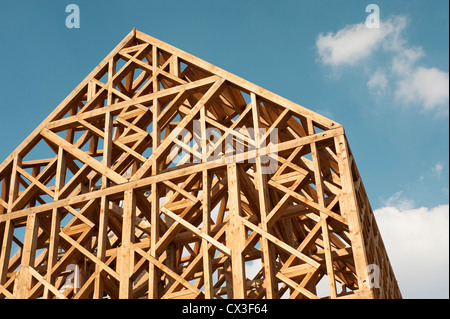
163	176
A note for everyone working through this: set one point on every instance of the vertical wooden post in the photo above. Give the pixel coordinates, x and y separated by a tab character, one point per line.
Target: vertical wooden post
175	66
207	267
22	285
104	204
111	72
236	234
154	237
126	260
348	204
4	193
171	253
9	227
206	182
14	188
8	231
101	247
55	221
153	289
91	90
228	277
6	250
34	172
156	133
155	68
323	216
323	221
263	196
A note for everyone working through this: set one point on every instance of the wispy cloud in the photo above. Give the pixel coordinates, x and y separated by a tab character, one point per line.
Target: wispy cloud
326	113
378	82
411	83
437	169
399	201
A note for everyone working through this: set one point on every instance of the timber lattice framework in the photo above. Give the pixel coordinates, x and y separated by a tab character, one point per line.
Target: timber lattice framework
94	204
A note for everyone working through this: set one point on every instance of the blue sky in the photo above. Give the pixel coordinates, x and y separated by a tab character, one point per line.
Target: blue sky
386	87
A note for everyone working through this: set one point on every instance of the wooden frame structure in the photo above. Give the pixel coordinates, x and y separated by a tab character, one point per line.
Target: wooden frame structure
93	205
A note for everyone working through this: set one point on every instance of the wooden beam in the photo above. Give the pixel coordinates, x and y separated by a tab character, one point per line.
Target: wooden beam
153	280
168	271
236	234
104	204
23	281
89	255
264	200
55	223
61	109
206	208
126	252
323	218
239	82
347	201
296	286
116	108
83	157
5	252
213	91
196	231
281	244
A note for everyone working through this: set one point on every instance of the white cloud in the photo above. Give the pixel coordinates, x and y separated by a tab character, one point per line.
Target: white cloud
429	86
354	42
404	59
438	168
417	242
413	85
348	45
399	201
417	85
378	83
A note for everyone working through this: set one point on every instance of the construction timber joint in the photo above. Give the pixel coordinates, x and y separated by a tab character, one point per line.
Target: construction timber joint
105	200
